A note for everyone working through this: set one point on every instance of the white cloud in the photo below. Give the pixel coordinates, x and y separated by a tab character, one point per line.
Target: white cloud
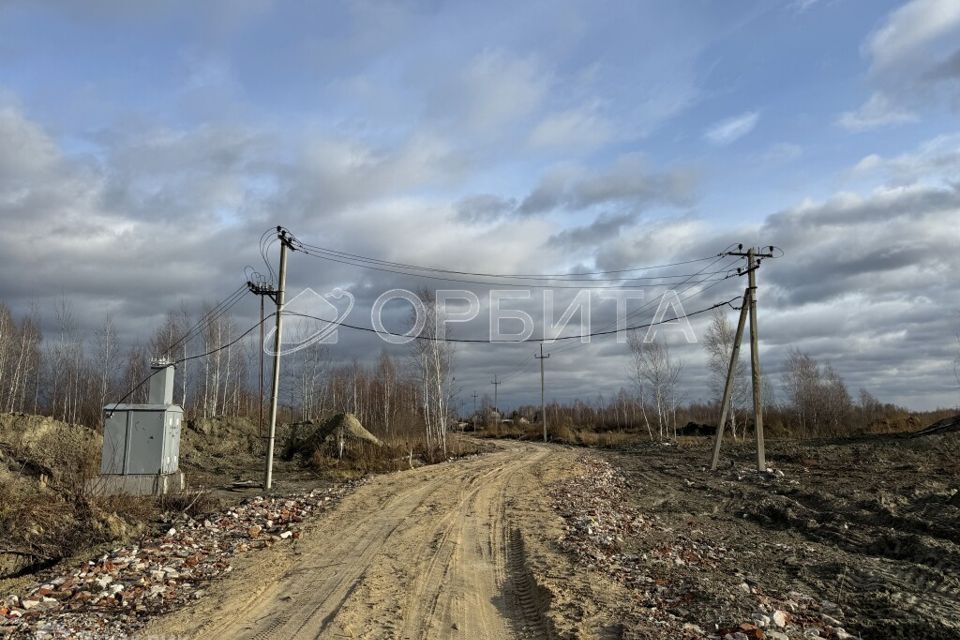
910	29
878	111
500	87
935	161
868	164
581	128
731	129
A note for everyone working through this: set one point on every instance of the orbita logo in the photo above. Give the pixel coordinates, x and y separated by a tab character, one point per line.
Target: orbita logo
310	318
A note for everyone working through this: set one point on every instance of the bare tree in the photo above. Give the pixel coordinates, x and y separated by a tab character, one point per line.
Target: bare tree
818	395
654	367
801	380
718	343
433	363
387	376
105	364
136	370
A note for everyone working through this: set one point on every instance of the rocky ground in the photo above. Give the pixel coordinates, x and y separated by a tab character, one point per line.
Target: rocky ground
116	594
844	539
838	540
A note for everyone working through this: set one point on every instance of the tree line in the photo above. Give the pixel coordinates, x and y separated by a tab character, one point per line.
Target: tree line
70	377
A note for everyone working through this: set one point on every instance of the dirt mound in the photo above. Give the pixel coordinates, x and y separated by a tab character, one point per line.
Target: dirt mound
43	466
41	446
211	442
305	438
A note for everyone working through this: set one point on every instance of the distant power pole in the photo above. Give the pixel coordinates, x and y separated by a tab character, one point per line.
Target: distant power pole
496	405
543	403
474	417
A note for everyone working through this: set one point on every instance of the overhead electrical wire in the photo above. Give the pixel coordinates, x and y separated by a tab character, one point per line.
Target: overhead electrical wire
211	316
319	251
487	340
217	349
621	283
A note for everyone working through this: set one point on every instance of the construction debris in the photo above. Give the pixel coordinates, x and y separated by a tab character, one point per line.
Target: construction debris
116	594
603	532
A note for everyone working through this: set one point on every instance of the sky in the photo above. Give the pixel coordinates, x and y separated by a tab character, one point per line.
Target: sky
145	147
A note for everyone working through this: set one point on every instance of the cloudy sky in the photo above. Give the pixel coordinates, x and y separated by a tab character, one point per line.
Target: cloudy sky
146	147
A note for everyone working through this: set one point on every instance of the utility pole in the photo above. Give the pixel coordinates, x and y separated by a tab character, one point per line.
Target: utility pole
753	257
496	406
543	403
753	265
473	418
264	290
275	389
260	349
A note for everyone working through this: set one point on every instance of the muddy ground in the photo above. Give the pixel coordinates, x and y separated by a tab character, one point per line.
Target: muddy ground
860	535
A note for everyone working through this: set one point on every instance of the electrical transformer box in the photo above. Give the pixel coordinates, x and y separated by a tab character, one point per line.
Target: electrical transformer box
144	439
141	439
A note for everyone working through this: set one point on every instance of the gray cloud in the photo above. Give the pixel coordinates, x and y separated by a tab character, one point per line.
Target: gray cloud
484	208
628	181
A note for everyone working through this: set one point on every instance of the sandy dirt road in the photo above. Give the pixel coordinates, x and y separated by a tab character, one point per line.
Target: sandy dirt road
438	552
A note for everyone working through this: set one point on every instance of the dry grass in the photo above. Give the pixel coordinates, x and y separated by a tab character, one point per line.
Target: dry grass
360	458
45	513
565	434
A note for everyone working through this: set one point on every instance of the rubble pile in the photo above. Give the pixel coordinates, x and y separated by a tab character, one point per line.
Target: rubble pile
115	595
670	567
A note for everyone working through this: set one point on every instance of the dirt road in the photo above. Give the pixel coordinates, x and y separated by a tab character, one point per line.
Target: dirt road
432	553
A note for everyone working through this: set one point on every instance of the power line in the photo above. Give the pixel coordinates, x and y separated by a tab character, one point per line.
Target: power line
305	247
648	304
431	274
189	358
488	341
208	318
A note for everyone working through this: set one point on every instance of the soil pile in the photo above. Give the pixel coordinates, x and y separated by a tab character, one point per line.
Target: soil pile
306	438
43	514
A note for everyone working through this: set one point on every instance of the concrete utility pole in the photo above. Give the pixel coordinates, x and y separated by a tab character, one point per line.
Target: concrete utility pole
543	403
749	305
275	389
753	265
496	406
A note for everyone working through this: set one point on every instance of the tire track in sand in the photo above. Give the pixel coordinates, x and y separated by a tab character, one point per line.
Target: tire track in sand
431	553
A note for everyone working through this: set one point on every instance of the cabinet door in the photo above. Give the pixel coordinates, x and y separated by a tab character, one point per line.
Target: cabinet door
146	442
114	443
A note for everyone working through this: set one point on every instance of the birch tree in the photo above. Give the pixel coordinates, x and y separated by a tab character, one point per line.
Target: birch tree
718	343
654	368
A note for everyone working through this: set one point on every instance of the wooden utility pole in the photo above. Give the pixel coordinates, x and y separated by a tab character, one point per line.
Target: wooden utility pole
275	389
749	305
731	373
543	404
496	406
